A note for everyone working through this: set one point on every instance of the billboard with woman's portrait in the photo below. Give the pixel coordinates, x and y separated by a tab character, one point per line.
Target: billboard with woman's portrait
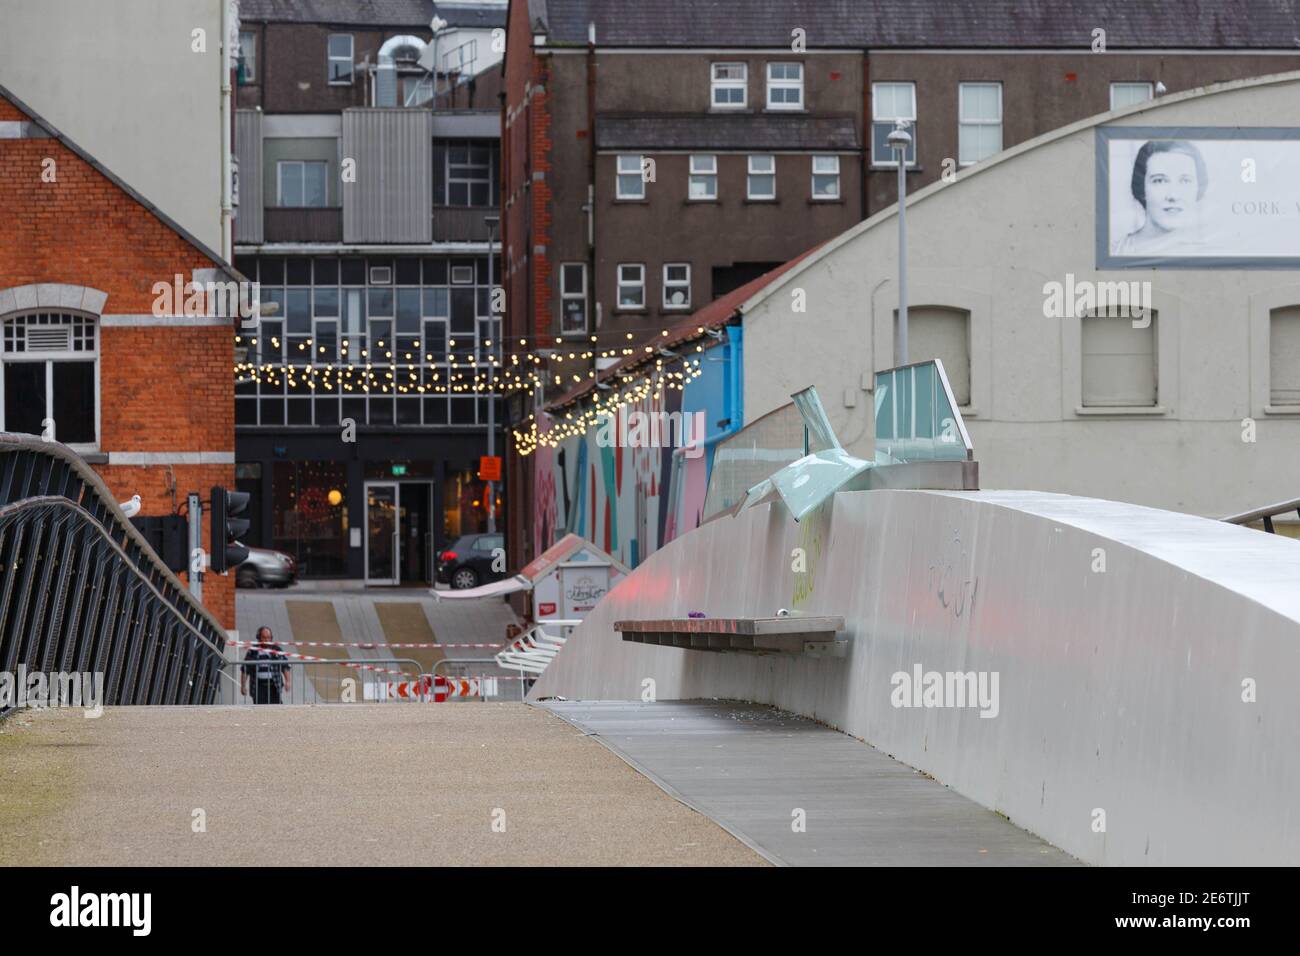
1199	197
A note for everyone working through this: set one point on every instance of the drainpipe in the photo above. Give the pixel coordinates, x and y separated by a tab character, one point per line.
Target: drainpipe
229	24
864	180
591	172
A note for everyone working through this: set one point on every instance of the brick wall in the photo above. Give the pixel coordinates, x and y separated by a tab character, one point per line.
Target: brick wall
522	147
541	198
162	389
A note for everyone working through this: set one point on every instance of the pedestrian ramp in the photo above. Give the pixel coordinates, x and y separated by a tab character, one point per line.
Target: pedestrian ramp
800	793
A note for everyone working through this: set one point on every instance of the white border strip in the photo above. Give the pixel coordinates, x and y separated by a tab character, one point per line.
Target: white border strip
189	321
22	129
171	458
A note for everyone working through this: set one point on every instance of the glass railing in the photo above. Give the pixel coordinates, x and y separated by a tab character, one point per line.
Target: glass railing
757	451
916	420
917	417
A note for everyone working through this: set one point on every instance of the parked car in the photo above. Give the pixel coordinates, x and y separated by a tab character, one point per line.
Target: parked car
468	562
264	568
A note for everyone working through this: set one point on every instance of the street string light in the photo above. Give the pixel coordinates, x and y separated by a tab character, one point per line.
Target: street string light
570	425
457	373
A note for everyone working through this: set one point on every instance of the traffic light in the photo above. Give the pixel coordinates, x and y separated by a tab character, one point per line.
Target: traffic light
166	535
227	528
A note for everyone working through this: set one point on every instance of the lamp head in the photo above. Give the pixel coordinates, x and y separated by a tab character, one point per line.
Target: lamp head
899	138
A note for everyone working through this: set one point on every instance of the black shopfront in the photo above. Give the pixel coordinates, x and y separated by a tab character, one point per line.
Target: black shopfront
358	425
379	508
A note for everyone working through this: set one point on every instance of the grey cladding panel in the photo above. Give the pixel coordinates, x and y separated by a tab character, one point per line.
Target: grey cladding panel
391	199
248	147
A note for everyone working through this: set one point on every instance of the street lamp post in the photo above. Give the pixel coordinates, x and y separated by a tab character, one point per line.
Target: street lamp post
492	399
899	140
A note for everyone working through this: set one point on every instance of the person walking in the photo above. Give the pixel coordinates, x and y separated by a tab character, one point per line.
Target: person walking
267	677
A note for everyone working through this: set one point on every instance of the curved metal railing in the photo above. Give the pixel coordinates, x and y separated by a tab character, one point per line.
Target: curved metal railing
1266	514
82	592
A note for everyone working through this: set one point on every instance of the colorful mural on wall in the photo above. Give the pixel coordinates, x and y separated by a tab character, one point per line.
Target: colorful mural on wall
628	495
616	497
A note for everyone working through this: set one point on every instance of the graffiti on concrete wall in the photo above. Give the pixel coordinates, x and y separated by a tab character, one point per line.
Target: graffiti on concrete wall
629	499
950	578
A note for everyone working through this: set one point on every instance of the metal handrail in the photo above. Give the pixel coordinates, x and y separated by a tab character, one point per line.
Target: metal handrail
11	442
1266	513
52	501
81	589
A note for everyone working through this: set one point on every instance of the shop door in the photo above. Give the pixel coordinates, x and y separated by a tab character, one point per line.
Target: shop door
417	533
383	532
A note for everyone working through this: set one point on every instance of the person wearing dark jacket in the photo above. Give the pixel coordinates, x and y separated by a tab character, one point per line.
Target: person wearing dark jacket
265	670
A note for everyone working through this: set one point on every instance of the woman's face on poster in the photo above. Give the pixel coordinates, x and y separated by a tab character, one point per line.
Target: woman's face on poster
1171	188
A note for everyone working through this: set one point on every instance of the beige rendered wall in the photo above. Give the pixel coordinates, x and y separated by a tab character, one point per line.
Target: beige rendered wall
987	243
121	81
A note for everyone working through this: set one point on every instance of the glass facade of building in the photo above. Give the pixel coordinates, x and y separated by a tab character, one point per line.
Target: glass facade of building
394	343
381	340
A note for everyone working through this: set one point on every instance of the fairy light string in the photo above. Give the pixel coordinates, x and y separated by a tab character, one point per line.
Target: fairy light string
454	372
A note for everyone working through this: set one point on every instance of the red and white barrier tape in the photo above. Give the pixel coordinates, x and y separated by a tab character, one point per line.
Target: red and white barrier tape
362	644
320	660
369	667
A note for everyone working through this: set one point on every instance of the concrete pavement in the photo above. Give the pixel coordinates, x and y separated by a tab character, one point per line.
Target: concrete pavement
428	784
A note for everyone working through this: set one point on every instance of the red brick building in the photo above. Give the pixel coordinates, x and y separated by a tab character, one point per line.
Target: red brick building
144	397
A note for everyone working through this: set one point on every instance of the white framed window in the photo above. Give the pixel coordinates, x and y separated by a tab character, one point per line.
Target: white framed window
49	363
785	86
729	86
761	182
704	178
677	285
1130	94
631	183
631	285
573	297
246	72
302	183
891	102
825	177
340	59
979	131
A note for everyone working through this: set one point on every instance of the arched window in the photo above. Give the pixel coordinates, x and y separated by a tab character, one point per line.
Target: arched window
1121	361
49	364
937	332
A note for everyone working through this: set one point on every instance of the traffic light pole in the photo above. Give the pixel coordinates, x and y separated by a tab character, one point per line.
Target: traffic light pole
492	398
195	550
